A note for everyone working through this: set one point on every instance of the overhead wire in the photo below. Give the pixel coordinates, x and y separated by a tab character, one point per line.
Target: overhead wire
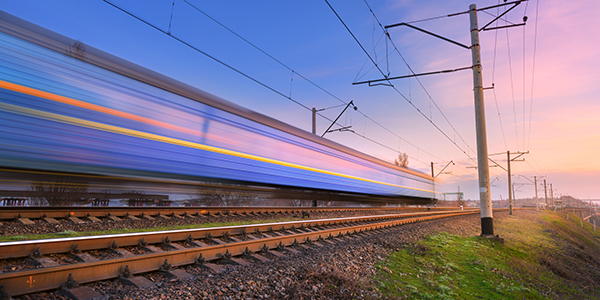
418	80
206	54
262	51
533	70
391	85
301	76
420	83
512	88
422	86
524	84
248	76
494	90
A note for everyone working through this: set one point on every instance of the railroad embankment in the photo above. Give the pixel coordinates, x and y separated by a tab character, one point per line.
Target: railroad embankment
544	255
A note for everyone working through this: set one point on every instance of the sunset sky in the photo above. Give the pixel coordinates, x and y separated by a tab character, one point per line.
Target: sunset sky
545	75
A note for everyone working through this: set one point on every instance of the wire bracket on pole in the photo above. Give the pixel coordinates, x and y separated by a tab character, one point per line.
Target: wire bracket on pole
408	76
500	16
347	128
338	117
430	33
451	162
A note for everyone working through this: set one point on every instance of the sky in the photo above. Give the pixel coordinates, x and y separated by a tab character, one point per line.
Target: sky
544	75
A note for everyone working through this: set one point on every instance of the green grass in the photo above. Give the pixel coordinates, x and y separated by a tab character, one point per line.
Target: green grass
71	233
445	266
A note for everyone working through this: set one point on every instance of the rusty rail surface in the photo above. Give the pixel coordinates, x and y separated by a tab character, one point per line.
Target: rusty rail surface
63	245
39	212
35	280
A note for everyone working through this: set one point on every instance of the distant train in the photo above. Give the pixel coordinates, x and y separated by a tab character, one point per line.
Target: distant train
66	108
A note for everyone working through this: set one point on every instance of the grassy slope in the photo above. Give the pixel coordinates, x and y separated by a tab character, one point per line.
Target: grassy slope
544	256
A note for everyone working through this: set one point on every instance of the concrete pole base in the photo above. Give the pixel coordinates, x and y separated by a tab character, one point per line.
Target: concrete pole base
487	226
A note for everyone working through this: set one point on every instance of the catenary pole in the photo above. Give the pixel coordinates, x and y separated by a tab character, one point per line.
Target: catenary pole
545	193
433	176
552	194
510	190
314	120
487	223
537	201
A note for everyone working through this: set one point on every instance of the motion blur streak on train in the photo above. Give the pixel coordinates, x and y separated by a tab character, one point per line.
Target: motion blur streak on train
93	113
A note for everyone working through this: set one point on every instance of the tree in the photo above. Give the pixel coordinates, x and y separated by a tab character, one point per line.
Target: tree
77	50
218	194
57	191
402	160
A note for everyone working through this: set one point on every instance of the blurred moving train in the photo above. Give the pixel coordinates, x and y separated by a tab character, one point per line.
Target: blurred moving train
73	109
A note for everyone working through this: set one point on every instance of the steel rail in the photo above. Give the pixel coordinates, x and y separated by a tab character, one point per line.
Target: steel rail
37	212
30	281
63	245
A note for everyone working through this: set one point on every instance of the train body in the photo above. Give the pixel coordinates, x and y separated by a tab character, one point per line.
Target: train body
83	111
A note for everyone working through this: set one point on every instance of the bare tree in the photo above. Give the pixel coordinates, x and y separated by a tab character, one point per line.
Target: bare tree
77	50
58	191
402	160
217	194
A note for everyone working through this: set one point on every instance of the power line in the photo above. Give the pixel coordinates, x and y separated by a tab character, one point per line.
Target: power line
418	80
493	77
512	88
391	85
207	55
423	87
168	33
533	70
301	76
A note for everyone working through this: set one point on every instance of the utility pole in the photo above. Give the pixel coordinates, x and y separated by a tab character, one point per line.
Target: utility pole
537	202
432	172
487	224
510	188
510	192
433	176
545	193
552	194
483	168
314	120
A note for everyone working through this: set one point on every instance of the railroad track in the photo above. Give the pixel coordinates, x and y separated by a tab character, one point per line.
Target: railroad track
94	214
163	251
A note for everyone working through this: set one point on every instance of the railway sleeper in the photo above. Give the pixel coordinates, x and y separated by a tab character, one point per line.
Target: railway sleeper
132	217
122	252
138	281
257	257
228	259
50	220
72	290
93	219
76	220
114	218
161	216
201	262
81	293
180	274
84	257
147	217
196	243
25	221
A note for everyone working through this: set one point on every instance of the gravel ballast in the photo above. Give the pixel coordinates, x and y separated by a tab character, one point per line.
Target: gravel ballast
342	270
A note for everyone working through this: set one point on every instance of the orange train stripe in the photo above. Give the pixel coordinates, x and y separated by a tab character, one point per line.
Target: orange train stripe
86	105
